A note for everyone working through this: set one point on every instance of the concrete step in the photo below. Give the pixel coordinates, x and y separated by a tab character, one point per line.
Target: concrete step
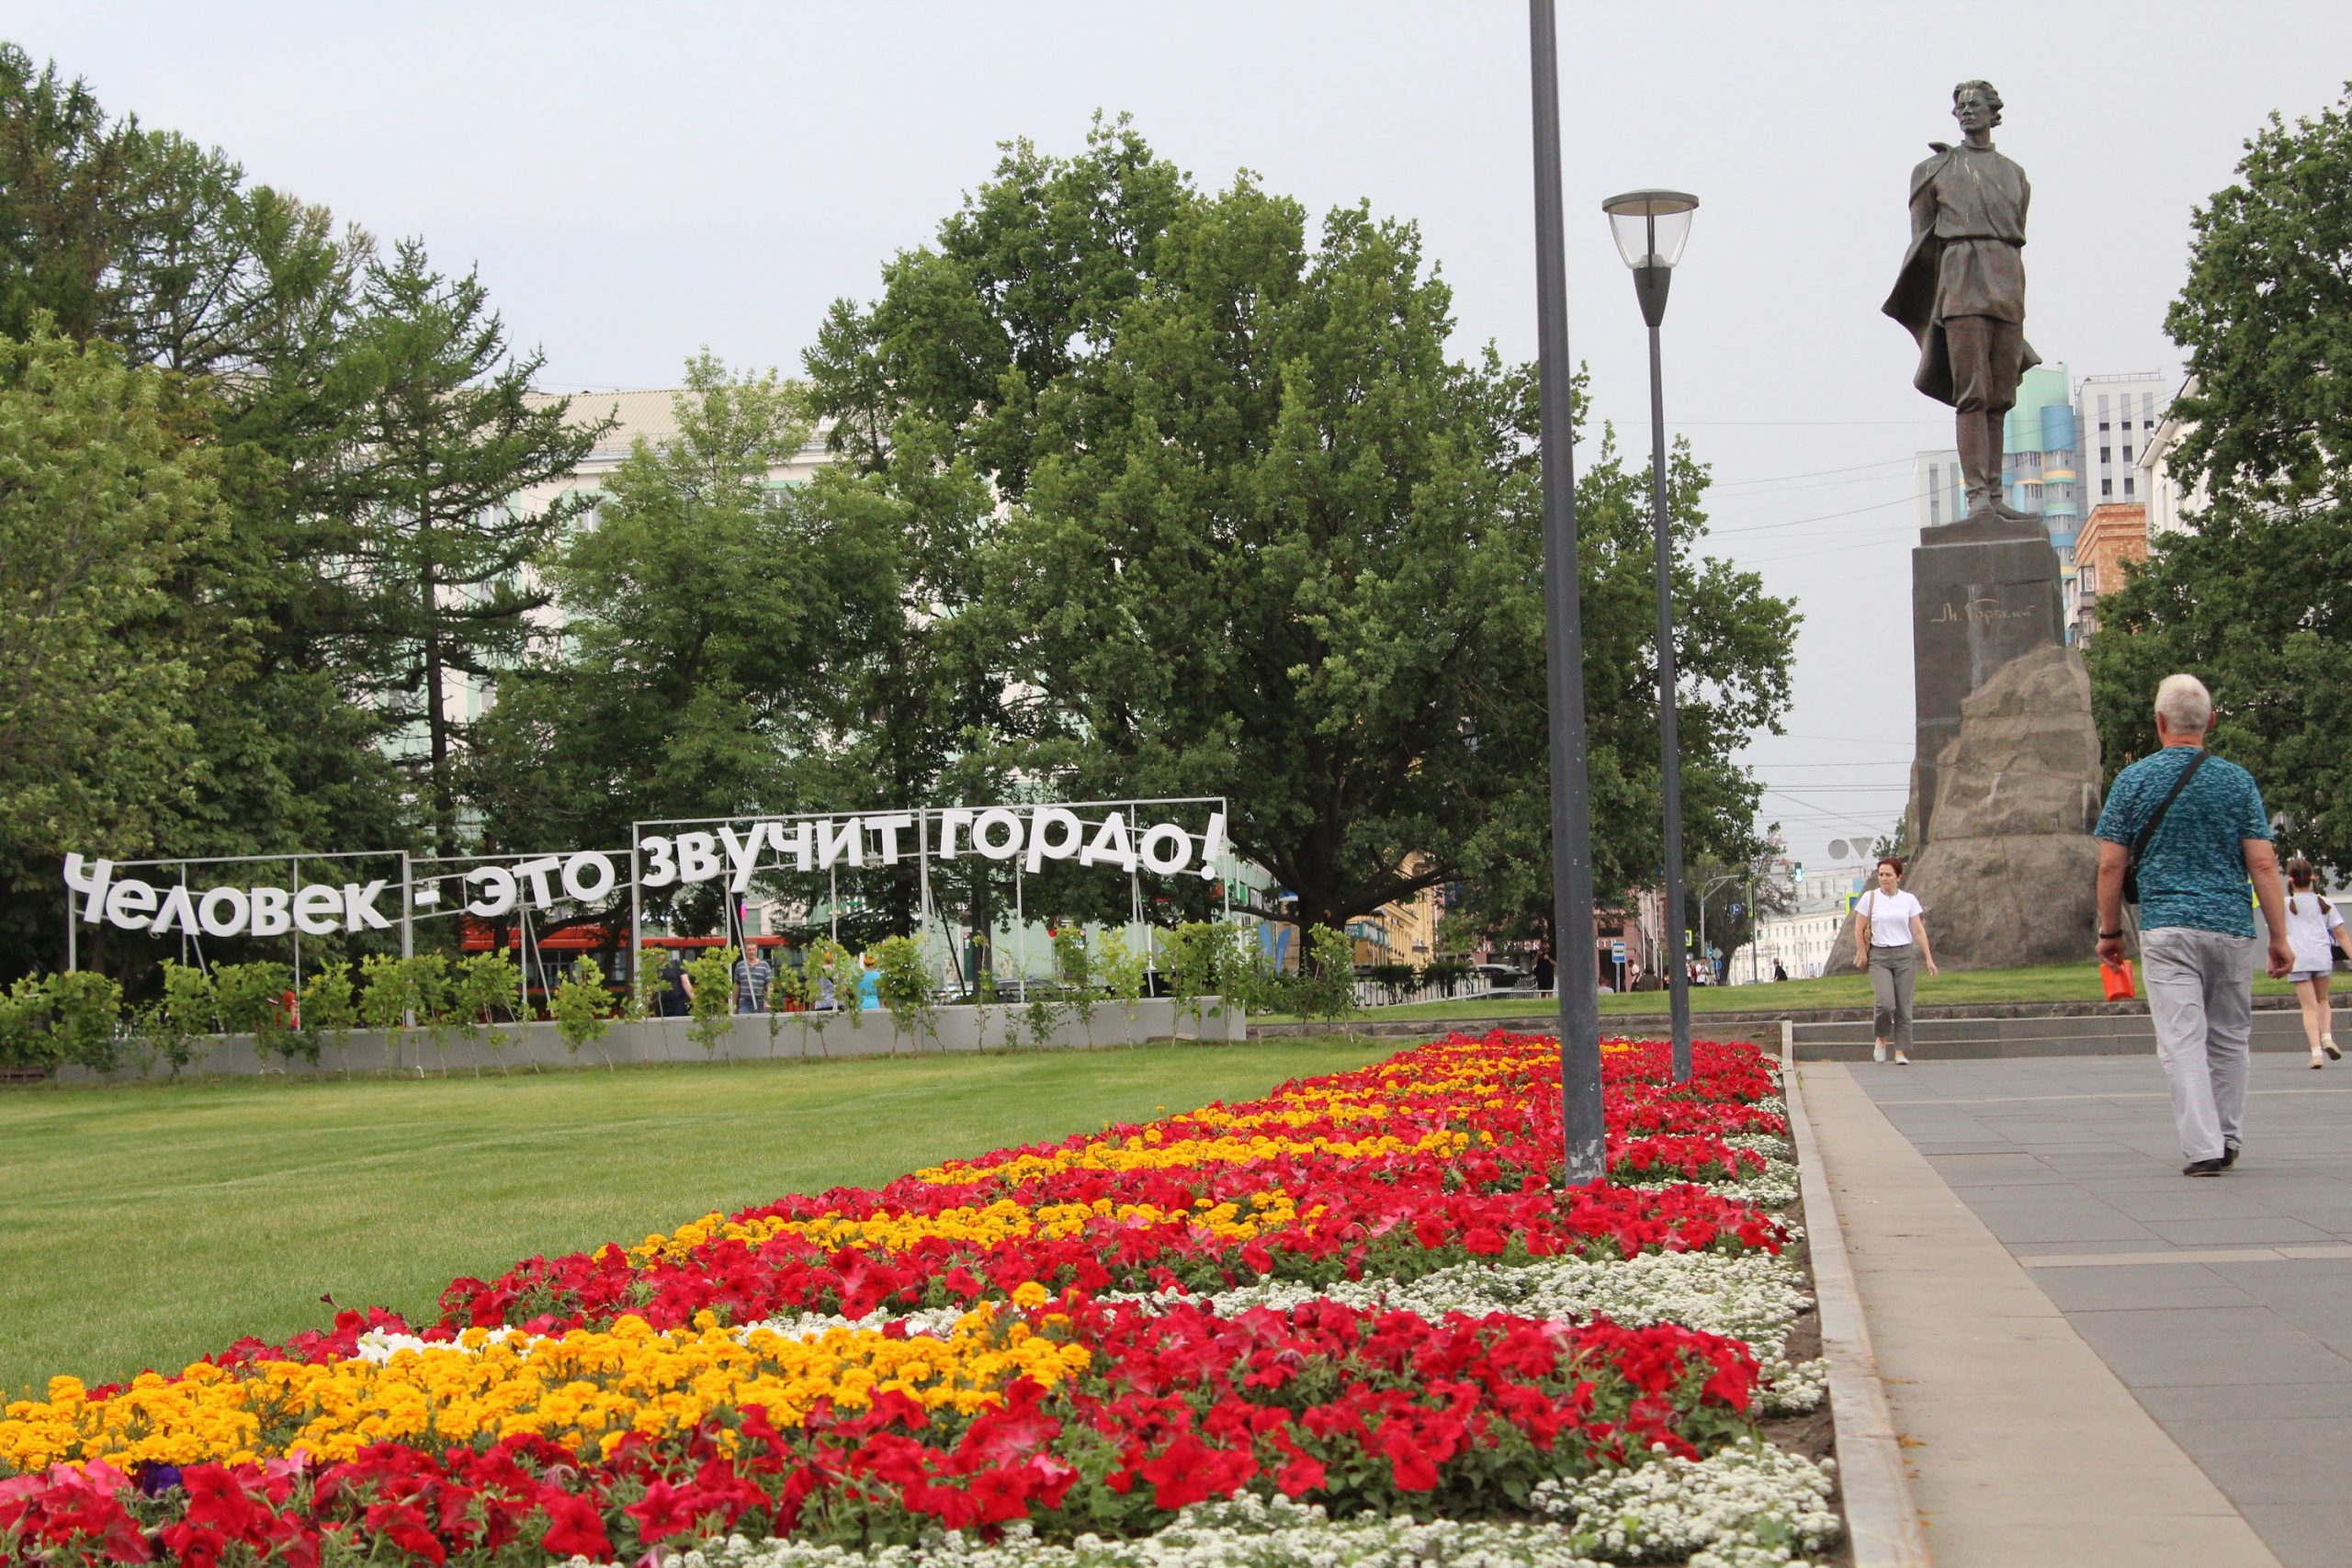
1964	1038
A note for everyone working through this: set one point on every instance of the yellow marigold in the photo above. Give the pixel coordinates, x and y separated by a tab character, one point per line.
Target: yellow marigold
582	1390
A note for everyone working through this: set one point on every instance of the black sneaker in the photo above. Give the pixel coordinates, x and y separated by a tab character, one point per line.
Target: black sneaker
2203	1168
2229	1152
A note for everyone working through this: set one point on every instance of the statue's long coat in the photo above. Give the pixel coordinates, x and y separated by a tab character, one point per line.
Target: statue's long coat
1912	302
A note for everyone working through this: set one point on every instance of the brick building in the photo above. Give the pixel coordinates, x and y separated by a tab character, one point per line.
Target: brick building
2114	533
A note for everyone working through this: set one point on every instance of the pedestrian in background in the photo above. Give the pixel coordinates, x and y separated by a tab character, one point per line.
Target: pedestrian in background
1890	942
2311	925
752	973
677	995
2190	829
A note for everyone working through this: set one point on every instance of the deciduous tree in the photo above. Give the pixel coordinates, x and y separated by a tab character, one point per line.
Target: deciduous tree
2252	597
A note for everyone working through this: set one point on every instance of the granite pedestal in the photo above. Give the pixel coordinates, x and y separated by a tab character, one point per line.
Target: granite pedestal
1982	594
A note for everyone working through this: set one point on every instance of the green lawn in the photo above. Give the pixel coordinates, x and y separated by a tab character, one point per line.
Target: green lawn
148	1225
2048	983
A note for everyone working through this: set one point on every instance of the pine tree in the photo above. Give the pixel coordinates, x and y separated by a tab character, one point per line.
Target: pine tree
448	446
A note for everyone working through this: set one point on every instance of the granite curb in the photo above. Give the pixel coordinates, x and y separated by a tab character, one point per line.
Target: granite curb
1741	1023
1883	1528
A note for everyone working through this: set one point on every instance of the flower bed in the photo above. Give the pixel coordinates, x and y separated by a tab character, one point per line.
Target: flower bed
1356	1302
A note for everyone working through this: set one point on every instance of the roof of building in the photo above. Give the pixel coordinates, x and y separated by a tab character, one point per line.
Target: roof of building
648	412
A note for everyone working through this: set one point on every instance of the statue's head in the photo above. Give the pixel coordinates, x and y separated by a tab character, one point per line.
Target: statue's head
1976	104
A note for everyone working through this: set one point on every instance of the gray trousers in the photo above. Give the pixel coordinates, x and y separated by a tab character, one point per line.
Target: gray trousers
2201	999
1894	972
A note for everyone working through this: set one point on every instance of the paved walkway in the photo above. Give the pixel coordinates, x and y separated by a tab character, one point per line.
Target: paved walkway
2224	1306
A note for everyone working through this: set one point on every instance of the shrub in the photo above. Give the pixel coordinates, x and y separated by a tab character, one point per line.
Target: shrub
838	964
713	972
26	1041
483	985
1445	974
581	1009
1325	989
647	987
328	1011
85	1011
386	998
1196	952
431	993
1122	969
1074	967
1042	1013
904	985
1251	982
189	995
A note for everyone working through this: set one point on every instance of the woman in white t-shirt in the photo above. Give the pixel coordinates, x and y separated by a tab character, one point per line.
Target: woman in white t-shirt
2311	924
1890	942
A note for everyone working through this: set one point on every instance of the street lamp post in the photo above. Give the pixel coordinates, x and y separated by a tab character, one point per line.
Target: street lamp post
1650	227
1583	1137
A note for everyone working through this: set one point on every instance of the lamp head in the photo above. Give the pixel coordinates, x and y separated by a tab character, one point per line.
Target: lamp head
1650	226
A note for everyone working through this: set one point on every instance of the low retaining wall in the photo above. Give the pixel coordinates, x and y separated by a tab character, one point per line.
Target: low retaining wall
1752	1028
808	1034
2117	1034
1843	1034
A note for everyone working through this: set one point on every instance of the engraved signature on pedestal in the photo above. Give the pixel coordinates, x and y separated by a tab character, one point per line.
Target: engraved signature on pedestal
1978	611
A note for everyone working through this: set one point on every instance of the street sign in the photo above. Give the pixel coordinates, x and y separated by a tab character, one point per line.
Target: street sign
1617	952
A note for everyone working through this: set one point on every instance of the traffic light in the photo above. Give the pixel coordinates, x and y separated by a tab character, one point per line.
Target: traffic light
1796	875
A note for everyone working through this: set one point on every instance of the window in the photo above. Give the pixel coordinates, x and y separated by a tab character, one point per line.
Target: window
2127	451
2087	581
2106	488
2106	455
2103	405
2127	486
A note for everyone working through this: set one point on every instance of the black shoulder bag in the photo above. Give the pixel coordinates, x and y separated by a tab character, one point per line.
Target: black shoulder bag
2140	844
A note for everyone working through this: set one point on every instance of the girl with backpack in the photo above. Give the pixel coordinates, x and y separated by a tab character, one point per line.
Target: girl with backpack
2311	925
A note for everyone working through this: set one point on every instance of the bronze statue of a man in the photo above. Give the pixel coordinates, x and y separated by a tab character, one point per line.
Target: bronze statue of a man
1961	290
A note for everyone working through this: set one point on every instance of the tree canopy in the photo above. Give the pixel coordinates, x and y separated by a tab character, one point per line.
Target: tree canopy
1264	537
2252	597
272	354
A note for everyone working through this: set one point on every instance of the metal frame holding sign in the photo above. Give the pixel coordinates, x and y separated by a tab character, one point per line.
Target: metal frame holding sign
694	849
231	909
1088	833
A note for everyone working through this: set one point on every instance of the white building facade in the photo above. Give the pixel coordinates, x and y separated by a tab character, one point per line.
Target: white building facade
2117	417
1936	482
2167	497
1816	939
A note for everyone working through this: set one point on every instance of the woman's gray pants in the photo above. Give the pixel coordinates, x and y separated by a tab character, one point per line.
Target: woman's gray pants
1894	972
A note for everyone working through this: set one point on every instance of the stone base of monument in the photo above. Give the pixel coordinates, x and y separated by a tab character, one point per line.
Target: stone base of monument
2009	873
1982	592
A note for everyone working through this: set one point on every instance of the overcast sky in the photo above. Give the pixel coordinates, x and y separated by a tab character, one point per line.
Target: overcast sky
636	181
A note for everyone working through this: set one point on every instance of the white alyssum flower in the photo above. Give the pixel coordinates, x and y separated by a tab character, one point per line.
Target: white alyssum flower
379	1345
1748	1505
1242	1532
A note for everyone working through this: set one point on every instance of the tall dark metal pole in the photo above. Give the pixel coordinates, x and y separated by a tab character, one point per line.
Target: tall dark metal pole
1583	1136
1649	286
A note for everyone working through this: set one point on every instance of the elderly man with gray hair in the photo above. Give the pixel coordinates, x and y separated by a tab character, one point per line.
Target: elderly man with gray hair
2189	829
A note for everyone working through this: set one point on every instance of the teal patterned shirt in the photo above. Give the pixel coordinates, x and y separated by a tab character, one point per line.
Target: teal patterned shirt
2194	872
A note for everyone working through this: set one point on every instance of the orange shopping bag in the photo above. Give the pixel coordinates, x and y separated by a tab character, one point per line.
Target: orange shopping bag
2116	978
